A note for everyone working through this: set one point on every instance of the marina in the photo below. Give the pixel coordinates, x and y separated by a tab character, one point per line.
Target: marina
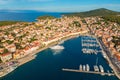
89	45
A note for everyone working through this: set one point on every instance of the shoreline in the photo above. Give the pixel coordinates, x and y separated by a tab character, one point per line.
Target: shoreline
32	56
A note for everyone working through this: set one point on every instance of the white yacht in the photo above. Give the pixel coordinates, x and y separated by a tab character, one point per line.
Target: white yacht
57	47
87	67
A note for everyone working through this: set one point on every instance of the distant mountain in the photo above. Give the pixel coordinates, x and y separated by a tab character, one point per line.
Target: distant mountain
97	12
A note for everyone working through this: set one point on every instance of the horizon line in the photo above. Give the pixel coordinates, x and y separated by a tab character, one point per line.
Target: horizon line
17	10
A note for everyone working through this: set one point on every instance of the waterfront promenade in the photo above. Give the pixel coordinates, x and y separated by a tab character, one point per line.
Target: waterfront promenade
70	57
107	56
32	56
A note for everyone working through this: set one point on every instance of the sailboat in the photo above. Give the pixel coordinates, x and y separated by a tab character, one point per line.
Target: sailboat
95	66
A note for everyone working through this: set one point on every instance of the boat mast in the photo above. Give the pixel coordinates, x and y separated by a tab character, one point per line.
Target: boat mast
97	61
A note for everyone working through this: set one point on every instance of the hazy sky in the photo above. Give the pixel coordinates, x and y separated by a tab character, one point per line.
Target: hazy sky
59	5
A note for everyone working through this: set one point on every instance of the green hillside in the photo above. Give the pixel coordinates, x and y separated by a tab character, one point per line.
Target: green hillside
45	17
97	12
4	23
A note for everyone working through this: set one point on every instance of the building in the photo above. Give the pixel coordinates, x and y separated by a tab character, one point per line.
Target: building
117	56
6	57
11	48
18	54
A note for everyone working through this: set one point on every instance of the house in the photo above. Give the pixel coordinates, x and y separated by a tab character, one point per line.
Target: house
1	50
18	54
11	48
6	57
117	56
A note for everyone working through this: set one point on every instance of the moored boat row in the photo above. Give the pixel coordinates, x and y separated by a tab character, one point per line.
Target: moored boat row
84	67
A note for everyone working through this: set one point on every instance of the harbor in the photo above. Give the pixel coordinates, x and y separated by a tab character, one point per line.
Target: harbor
71	58
90	45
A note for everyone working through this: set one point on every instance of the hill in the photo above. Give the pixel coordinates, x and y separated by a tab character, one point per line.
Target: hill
46	17
4	23
97	12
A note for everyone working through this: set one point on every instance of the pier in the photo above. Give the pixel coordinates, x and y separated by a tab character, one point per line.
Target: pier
90	72
98	69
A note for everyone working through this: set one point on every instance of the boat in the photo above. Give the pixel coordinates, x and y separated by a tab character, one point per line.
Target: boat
104	56
80	67
101	68
57	47
83	67
96	69
108	73
87	67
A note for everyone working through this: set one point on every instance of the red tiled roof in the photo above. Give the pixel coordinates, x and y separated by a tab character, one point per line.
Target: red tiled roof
5	54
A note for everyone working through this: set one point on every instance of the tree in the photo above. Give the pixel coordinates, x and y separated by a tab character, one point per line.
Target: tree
76	23
5	51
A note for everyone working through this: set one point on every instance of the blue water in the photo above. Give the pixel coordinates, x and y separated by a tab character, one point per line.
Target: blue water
47	65
21	16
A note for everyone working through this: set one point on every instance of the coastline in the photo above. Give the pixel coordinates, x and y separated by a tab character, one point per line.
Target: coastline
32	56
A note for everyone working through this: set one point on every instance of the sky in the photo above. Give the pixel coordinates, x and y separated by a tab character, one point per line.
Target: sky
59	5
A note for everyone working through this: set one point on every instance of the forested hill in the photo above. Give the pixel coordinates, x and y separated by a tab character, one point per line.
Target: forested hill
4	23
97	12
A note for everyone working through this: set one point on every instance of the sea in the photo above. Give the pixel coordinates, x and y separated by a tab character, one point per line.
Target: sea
49	63
25	16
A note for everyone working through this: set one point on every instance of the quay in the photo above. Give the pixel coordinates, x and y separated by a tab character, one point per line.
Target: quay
107	56
90	72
